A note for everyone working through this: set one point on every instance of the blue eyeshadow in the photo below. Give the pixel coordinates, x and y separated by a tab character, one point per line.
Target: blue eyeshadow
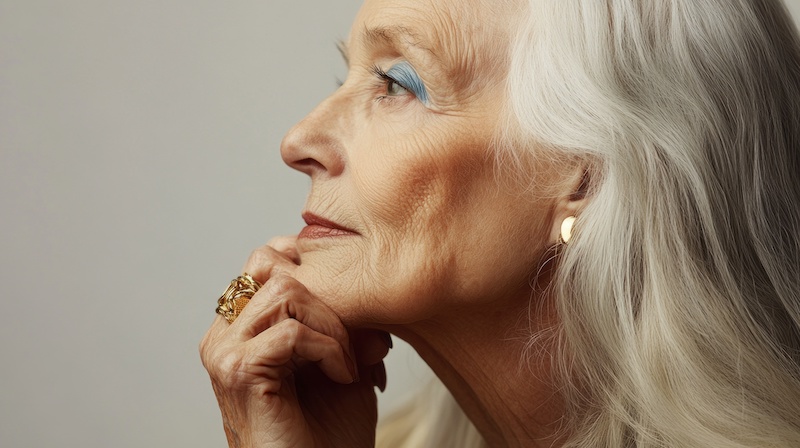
406	76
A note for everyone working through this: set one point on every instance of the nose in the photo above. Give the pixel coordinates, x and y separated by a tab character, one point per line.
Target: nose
314	146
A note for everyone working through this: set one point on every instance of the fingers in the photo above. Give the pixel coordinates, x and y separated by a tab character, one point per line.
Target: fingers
282	298
287	245
275	349
266	262
371	346
378	375
219	325
261	364
284	326
273	354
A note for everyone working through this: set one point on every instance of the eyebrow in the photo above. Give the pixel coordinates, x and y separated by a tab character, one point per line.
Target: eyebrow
400	37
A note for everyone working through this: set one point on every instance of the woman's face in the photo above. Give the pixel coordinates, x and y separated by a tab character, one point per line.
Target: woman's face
400	156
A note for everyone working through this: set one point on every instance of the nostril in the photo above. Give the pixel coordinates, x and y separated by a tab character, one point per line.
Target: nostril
308	165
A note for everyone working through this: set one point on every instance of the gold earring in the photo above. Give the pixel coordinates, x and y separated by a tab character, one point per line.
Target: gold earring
566	229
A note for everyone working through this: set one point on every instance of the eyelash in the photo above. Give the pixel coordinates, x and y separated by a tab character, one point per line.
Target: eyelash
385	80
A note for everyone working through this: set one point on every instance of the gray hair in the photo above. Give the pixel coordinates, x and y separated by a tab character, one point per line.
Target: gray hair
680	291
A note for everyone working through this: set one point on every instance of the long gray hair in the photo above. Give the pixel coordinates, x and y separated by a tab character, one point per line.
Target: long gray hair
680	291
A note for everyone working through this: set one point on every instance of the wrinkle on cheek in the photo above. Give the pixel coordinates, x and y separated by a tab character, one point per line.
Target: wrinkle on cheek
406	190
422	191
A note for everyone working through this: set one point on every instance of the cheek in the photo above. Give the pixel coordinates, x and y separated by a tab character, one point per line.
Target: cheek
402	188
425	204
405	193
439	230
408	178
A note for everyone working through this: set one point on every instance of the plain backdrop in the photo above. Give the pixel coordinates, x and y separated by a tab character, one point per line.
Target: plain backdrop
139	166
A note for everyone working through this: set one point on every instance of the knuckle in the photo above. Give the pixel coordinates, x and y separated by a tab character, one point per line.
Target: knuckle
227	368
267	388
203	348
278	241
262	256
282	285
292	332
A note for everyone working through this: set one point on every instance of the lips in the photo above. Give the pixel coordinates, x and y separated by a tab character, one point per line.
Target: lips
318	227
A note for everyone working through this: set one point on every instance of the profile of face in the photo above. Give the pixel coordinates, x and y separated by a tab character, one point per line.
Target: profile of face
409	215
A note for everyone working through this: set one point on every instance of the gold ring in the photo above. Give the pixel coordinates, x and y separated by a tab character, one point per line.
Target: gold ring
233	300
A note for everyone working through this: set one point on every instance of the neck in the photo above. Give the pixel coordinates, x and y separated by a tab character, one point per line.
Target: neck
501	379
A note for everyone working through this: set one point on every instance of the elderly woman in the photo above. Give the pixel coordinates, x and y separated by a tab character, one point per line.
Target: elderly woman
584	215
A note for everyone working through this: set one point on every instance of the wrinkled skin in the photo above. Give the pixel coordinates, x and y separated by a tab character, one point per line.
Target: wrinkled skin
269	391
434	238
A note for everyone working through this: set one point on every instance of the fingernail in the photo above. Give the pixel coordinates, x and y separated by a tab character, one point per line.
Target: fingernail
379	376
352	357
388	338
352	367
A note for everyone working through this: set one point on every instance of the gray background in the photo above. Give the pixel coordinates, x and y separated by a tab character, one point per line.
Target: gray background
131	133
139	167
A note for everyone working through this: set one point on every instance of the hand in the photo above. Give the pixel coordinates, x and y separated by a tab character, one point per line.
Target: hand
285	372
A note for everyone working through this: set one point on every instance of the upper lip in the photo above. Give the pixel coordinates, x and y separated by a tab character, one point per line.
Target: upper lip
314	220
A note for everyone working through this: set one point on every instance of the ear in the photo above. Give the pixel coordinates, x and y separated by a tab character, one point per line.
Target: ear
572	198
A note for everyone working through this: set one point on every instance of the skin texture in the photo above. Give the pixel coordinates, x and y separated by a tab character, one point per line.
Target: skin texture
280	370
442	251
417	183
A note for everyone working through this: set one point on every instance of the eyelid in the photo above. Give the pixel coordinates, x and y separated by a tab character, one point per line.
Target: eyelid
406	76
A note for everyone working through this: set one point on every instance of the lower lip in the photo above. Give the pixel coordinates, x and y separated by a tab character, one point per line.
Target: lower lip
315	231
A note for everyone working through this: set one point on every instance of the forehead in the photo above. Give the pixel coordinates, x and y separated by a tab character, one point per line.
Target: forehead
464	38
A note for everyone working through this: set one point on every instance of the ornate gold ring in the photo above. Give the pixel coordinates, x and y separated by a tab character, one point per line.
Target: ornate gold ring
233	300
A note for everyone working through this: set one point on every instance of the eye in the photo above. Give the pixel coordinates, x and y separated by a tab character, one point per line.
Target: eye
400	80
393	88
389	86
